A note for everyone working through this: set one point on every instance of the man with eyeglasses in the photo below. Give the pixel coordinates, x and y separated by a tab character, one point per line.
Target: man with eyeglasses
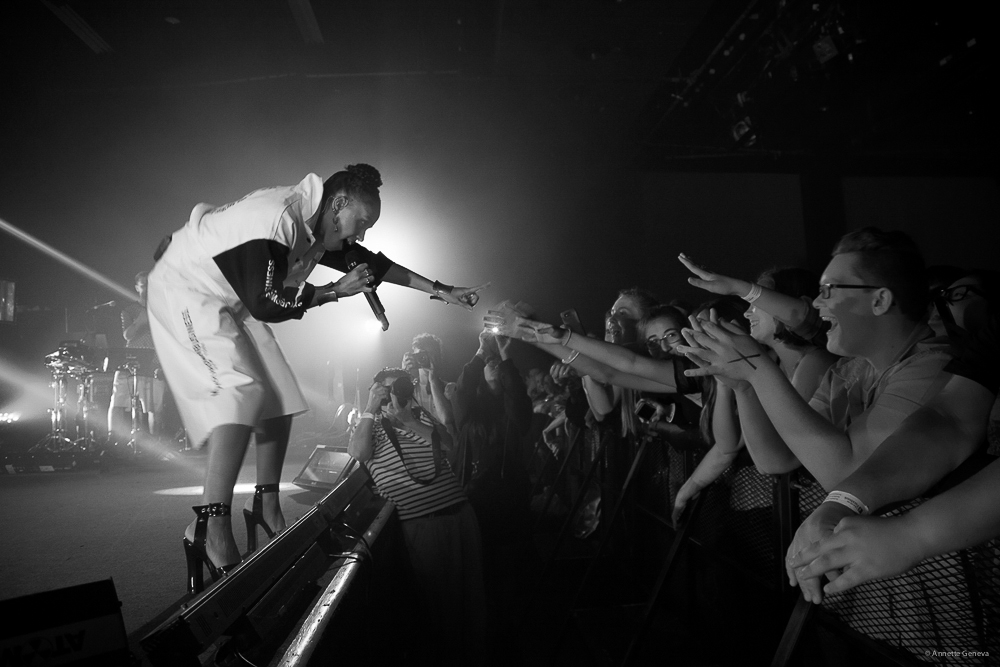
874	300
909	416
939	444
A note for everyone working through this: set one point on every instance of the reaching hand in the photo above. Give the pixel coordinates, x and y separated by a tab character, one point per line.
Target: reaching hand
534	331
501	320
466	297
713	282
722	349
860	549
819	525
713	317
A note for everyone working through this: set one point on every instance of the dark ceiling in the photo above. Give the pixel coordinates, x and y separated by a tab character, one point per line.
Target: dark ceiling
660	84
603	56
848	86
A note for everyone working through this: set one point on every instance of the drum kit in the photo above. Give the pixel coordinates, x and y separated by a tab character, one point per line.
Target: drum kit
73	361
77	362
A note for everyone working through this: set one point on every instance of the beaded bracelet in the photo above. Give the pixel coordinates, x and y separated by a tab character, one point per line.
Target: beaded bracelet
847	500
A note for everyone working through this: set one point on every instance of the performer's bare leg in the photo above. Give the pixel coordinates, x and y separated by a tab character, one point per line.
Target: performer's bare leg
227	445
272	443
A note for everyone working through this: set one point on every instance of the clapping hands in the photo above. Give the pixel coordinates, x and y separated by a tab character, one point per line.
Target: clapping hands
723	350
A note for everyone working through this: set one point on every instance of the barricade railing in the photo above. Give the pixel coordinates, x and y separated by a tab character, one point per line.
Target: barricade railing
944	611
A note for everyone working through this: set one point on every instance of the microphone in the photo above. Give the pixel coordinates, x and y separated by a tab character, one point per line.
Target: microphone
376	305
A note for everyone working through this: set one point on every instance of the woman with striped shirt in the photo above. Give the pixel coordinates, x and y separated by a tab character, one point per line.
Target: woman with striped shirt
403	446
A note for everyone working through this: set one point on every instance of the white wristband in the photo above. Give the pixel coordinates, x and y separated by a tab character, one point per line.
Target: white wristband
366	415
754	293
847	500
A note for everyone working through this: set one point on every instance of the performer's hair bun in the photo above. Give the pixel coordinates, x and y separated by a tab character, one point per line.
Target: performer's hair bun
356	179
368	175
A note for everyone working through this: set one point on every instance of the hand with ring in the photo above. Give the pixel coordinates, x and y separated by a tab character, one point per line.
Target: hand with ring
357	280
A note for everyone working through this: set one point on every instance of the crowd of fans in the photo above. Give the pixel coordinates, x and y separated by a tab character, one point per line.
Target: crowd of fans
878	379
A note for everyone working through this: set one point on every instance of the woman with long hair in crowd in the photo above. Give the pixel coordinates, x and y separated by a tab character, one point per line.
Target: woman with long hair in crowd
803	361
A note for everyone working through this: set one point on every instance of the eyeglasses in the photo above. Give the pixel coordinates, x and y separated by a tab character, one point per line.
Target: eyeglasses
670	335
959	293
826	288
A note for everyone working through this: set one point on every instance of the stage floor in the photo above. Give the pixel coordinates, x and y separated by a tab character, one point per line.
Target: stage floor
123	522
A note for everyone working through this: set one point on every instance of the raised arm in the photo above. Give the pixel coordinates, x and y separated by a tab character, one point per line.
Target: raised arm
386	270
442	406
797	314
466	297
614	363
602	373
362	444
472	374
517	403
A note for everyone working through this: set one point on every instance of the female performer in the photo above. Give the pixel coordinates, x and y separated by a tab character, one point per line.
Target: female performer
216	283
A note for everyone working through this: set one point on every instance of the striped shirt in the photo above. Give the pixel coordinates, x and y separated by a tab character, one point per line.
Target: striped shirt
393	478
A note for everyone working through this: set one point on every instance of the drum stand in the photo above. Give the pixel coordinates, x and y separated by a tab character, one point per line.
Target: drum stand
86	436
138	427
57	440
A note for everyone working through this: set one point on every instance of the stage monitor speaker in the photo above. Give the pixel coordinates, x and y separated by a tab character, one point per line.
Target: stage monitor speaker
326	467
79	626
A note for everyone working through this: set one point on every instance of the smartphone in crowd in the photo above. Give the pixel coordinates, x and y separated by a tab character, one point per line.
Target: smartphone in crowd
650	411
645	411
571	319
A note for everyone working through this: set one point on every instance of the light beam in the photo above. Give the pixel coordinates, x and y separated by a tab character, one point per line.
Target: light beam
68	261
